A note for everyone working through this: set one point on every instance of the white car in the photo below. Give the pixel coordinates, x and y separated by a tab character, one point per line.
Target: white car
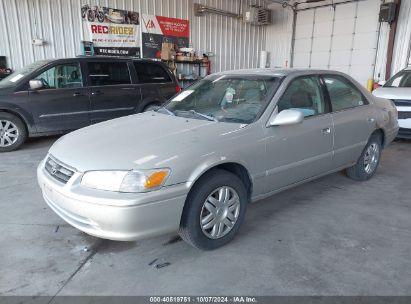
398	89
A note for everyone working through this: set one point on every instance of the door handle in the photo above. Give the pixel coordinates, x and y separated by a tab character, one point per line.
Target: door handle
371	120
326	131
77	94
95	93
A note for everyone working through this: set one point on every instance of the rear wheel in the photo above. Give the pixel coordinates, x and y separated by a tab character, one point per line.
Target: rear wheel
214	211
13	132
369	160
151	107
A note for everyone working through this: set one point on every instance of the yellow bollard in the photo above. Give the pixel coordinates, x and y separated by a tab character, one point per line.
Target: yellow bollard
370	85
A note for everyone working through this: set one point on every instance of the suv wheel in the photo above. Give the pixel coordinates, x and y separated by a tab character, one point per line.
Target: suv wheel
12	132
214	211
151	107
368	162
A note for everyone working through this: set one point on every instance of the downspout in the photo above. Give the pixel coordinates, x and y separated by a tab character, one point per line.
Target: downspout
391	41
293	38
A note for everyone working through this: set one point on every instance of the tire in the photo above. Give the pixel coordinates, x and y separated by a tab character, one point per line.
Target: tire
100	17
13	132
151	107
369	160
202	198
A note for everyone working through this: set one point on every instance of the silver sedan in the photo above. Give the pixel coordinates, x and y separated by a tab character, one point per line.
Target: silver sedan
194	165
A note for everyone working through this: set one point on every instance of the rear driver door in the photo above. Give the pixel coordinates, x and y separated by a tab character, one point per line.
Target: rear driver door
354	119
112	92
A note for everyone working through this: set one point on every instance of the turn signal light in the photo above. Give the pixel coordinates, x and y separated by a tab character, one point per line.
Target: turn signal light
178	89
155	179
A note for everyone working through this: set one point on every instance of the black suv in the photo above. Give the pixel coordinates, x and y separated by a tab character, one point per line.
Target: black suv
57	96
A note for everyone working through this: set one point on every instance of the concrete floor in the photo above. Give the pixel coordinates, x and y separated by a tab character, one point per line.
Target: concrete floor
333	236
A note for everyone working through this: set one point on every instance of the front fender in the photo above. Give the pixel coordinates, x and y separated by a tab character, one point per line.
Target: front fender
24	115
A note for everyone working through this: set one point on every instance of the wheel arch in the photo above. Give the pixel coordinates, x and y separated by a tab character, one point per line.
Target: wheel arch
27	125
233	167
381	133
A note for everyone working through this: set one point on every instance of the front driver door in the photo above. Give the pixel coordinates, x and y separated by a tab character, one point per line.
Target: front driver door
62	104
298	152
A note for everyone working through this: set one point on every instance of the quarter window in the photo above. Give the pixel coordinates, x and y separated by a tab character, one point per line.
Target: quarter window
63	76
108	73
343	94
304	94
151	73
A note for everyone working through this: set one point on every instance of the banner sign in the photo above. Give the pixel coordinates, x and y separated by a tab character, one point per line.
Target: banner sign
159	29
112	31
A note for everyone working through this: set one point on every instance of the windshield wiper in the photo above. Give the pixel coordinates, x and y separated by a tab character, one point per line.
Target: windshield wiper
208	117
167	111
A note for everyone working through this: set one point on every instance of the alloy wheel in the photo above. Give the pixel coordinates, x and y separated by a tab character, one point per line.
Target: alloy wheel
371	158
220	212
9	133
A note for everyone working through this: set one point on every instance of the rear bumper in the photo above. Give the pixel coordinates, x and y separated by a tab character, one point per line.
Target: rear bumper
114	216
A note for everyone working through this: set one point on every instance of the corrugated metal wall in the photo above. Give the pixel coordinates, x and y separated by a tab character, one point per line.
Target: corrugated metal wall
279	36
235	43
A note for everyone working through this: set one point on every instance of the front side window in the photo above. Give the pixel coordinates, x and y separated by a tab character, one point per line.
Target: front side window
227	98
108	73
64	76
400	80
151	73
343	94
305	95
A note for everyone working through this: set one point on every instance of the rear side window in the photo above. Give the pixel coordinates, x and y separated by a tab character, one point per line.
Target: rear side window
151	73
343	94
108	73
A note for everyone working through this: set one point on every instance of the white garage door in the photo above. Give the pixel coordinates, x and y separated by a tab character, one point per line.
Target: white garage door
342	39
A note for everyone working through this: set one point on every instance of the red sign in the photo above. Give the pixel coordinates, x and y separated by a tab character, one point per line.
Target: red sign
174	27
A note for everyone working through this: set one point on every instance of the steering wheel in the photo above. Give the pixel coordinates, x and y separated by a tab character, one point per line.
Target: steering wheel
44	82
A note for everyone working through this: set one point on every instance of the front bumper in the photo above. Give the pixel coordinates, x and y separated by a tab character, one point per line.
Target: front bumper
404	123
114	216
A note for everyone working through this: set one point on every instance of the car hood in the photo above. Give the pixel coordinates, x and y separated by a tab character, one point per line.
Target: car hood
139	141
393	93
6	90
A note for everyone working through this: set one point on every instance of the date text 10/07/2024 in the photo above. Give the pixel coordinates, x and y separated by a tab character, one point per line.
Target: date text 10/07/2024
204	299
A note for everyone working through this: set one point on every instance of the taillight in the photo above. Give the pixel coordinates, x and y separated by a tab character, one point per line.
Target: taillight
178	89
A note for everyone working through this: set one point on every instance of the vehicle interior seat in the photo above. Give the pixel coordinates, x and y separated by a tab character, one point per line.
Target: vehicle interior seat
303	102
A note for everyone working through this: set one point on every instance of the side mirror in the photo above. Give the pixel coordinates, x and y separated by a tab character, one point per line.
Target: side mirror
35	84
286	117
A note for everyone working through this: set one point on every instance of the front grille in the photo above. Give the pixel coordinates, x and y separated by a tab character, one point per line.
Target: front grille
404	115
402	102
58	171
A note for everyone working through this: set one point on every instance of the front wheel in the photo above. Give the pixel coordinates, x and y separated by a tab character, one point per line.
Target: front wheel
13	132
214	211
368	162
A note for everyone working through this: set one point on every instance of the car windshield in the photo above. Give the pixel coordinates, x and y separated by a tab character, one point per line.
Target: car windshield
14	77
400	80
227	98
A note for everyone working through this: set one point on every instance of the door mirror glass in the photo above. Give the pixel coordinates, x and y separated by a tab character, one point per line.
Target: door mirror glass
287	117
35	84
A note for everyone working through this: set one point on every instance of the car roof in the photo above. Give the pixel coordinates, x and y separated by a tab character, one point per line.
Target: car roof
101	58
277	72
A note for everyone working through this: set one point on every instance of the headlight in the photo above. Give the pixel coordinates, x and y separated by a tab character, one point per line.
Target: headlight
126	181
